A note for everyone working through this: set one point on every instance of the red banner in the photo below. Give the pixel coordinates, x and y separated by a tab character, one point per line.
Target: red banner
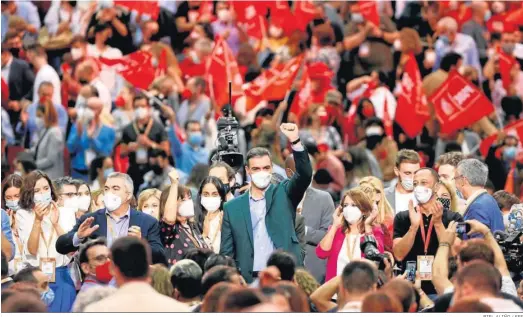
458	103
506	63
515	128
222	68
273	83
369	10
304	12
305	96
412	110
137	68
150	8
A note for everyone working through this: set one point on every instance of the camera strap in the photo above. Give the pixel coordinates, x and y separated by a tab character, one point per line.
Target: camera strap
147	128
426	236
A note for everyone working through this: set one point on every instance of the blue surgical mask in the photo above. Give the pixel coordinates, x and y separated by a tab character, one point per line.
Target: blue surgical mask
39	123
509	153
12	204
107	172
445	39
195	138
487	15
47	297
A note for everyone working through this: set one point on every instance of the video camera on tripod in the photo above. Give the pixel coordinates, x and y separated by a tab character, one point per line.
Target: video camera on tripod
512	249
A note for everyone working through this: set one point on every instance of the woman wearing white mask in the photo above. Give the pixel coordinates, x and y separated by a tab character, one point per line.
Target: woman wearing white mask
354	221
178	231
149	202
83	197
211	197
40	222
227	28
11	187
48	149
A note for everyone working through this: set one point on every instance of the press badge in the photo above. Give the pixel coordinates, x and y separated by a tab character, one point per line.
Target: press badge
364	49
141	156
48	267
425	267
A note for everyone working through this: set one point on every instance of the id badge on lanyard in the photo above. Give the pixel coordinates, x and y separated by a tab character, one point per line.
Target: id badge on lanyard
48	267
425	261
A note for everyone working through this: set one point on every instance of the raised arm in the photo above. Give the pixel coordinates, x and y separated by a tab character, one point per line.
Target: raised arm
323	295
34	237
440	268
171	205
323	250
402	245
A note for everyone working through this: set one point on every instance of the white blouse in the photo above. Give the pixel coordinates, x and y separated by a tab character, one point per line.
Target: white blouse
214	231
343	257
24	222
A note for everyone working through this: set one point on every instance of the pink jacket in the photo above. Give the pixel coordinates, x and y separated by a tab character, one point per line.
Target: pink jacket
332	254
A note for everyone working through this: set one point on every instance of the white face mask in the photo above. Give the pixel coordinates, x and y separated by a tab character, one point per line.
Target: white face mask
77	53
211	204
12	204
65	15
141	113
275	32
422	194
149	211
261	179
407	183
352	214
71	203
112	202
43	198
84	203
397	45
186	208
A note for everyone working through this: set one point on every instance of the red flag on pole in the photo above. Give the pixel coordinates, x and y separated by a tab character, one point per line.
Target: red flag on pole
273	83
137	68
506	63
150	8
369	10
251	17
412	110
458	103
222	68
305	97
304	12
514	128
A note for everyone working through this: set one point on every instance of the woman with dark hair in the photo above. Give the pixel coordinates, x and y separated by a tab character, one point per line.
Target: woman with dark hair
100	168
178	231
212	197
40	222
11	187
48	150
84	198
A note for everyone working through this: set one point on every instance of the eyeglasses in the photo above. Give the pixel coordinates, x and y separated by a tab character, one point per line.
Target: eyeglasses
69	195
100	258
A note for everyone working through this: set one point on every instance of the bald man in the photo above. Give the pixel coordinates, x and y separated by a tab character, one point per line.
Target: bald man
317	208
89	138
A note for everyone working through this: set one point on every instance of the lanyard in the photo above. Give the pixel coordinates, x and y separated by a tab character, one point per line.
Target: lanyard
190	234
47	243
147	129
426	240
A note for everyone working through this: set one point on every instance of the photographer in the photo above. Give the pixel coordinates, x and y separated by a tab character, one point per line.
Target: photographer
440	269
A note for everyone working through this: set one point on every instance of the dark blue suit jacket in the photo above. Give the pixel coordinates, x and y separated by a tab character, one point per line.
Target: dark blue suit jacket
148	225
485	209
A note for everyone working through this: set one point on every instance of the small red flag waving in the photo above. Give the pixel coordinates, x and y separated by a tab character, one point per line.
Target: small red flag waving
458	103
137	68
150	8
412	111
304	12
222	68
515	129
369	10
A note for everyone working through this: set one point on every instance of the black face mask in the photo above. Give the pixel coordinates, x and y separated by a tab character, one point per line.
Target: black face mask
373	141
83	82
227	188
157	169
15	51
445	202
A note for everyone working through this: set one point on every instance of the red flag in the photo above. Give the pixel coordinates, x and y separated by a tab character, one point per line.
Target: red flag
458	103
273	83
304	12
221	69
387	121
462	14
369	10
251	17
137	68
305	97
150	8
162	64
5	91
412	111
514	128
506	63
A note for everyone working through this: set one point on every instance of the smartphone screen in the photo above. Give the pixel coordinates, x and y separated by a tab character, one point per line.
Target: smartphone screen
411	270
462	228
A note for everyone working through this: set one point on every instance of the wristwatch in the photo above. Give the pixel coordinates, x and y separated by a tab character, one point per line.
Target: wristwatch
298	140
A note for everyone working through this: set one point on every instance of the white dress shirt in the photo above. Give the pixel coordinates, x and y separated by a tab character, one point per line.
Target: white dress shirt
6	69
25	220
343	257
47	73
112	81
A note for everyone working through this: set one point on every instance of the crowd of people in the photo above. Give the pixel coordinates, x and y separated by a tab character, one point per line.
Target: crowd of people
118	197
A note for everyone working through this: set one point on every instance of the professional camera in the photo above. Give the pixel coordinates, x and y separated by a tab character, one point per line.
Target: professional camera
228	148
512	249
369	246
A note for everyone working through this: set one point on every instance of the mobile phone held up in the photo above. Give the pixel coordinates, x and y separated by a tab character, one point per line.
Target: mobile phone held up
411	271
462	228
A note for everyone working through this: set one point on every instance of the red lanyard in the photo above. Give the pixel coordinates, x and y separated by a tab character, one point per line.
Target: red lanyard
426	240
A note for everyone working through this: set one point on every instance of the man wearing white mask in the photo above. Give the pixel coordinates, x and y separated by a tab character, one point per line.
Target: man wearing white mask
265	215
399	195
417	230
67	193
116	220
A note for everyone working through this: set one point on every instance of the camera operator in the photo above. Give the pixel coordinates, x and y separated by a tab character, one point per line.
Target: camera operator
417	231
440	269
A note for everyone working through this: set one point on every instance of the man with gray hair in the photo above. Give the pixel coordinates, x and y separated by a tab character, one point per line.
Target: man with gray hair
470	178
186	278
116	220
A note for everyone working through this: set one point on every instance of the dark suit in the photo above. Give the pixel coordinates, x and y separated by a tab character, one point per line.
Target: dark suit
20	81
148	225
281	202
300	233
